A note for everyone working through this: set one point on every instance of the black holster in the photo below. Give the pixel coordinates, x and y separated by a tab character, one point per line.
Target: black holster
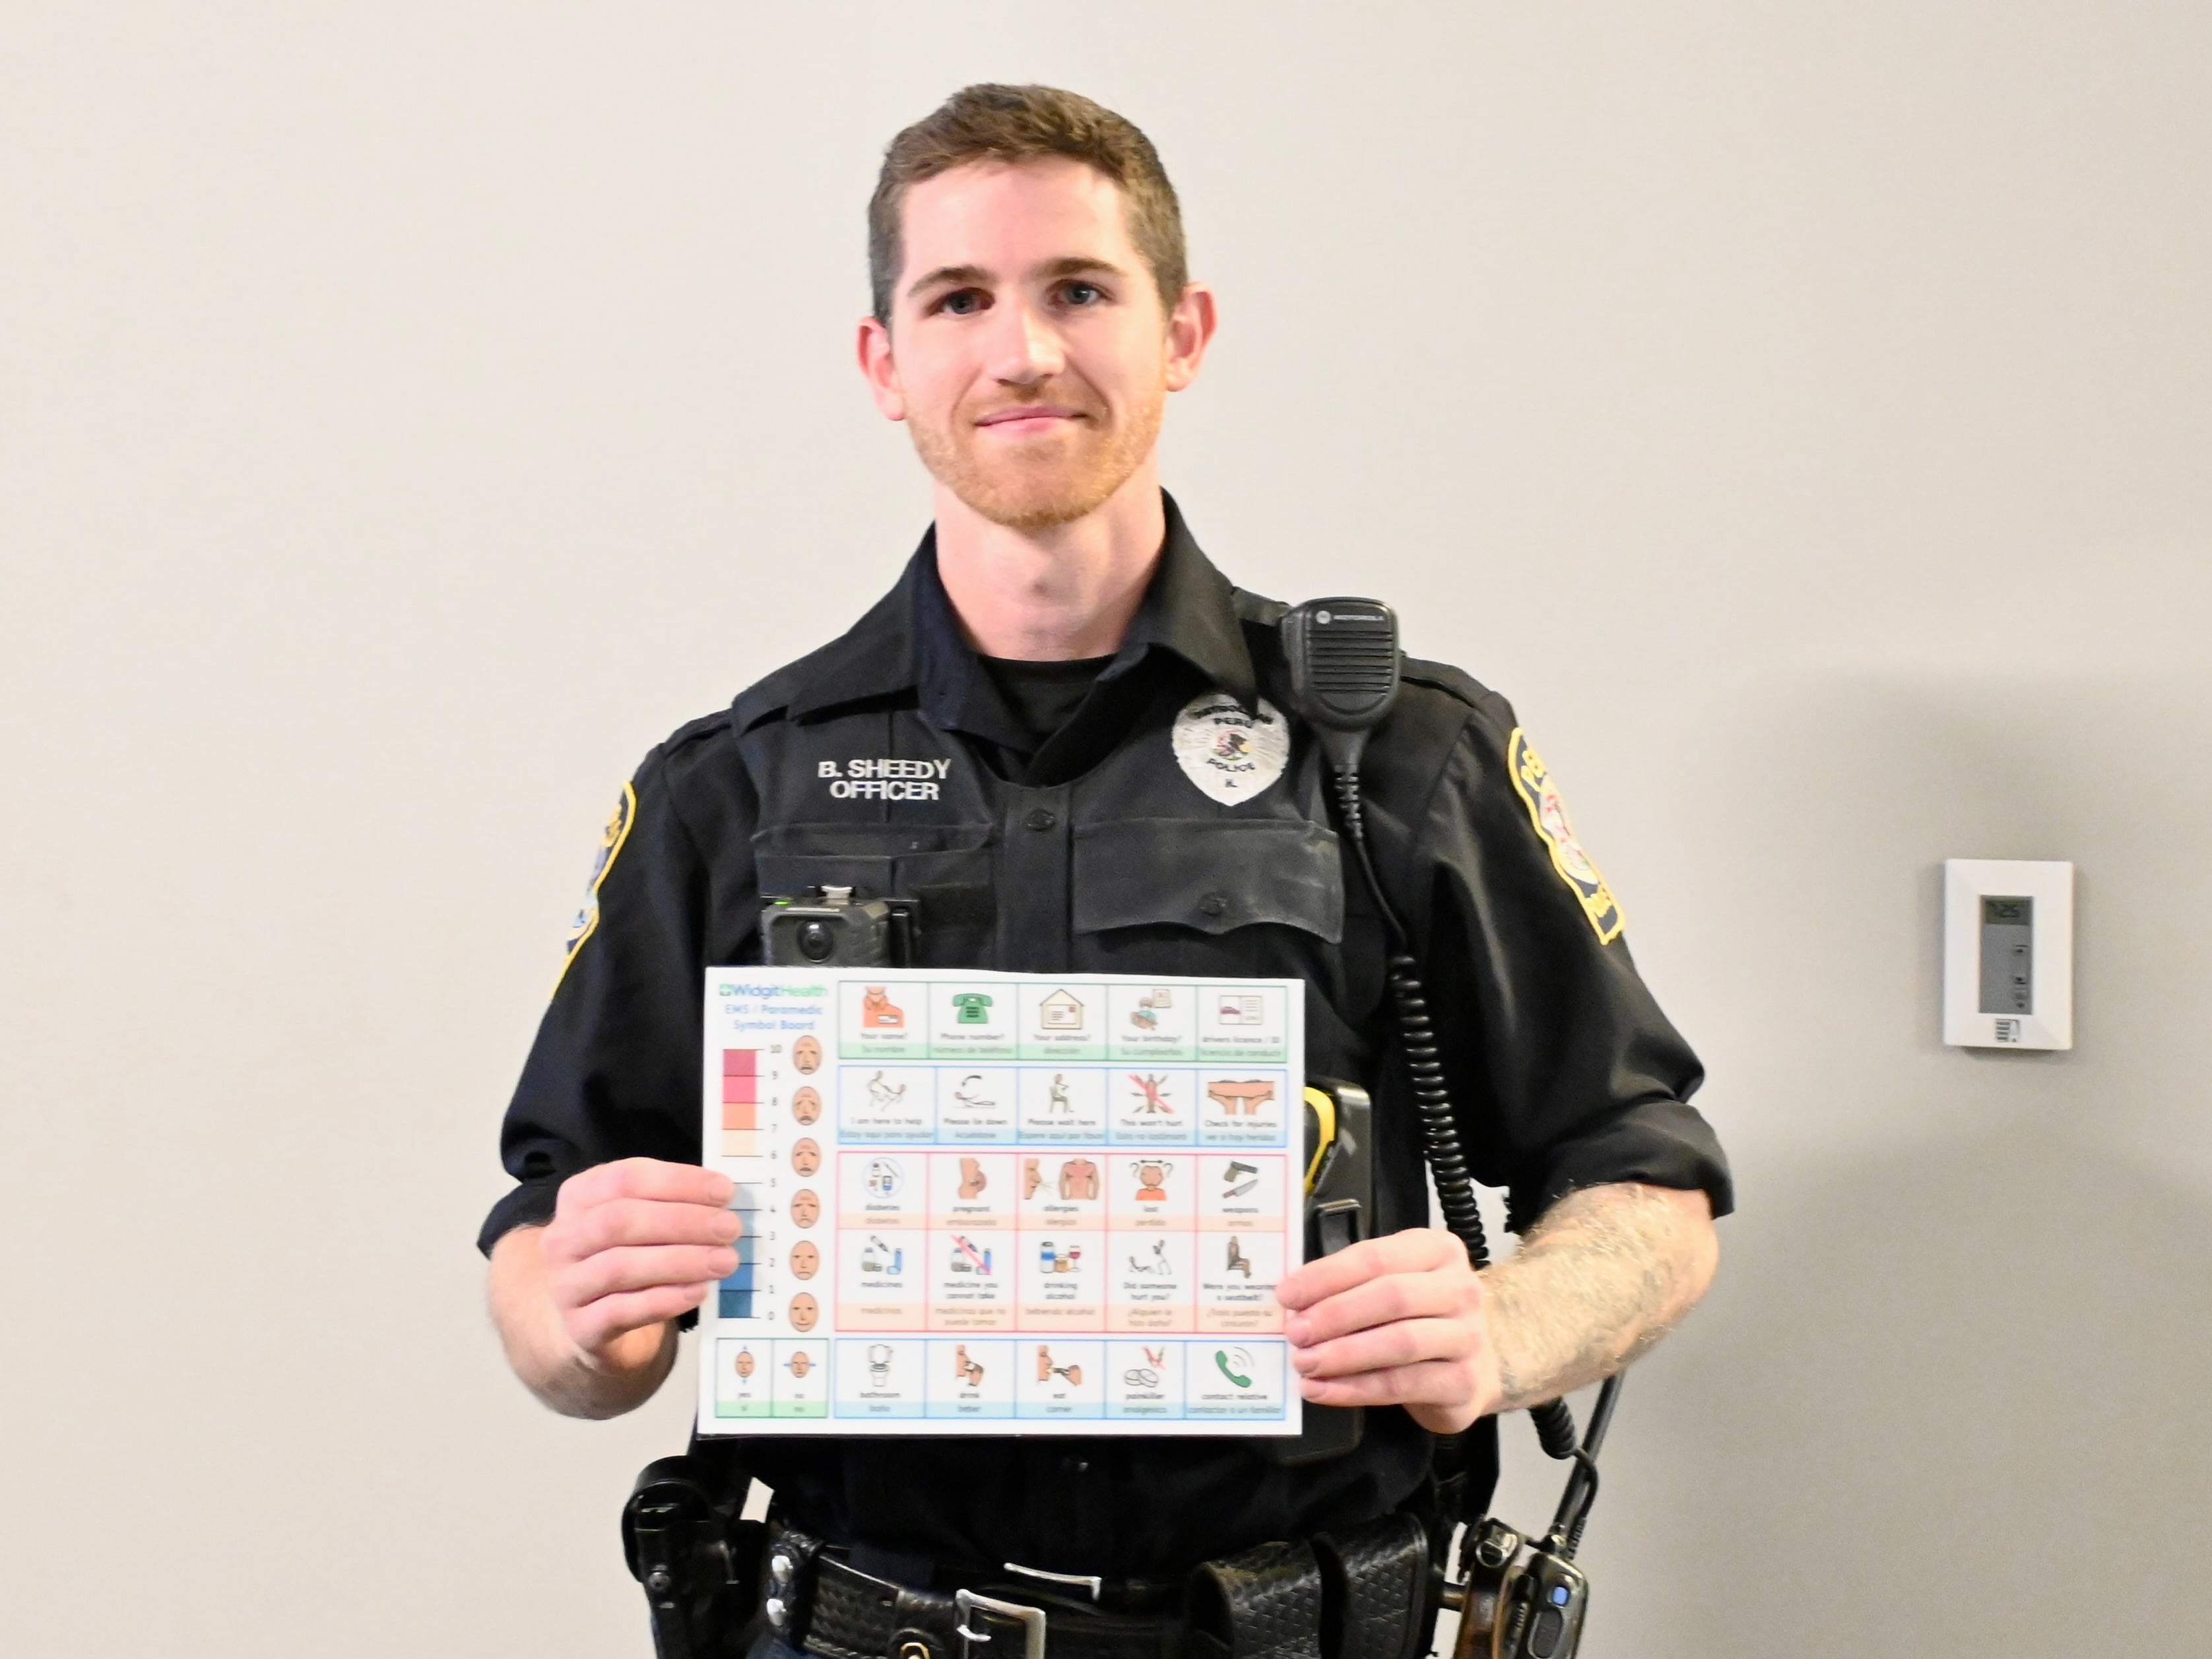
697	1560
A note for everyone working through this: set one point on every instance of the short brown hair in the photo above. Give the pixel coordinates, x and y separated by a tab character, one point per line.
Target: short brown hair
990	123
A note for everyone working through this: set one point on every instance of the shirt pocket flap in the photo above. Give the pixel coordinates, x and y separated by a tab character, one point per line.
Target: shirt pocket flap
1212	876
876	859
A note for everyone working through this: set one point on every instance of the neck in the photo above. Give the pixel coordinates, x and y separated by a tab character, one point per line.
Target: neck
1058	594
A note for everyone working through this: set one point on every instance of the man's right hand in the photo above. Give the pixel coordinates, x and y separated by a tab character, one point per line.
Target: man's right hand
584	1304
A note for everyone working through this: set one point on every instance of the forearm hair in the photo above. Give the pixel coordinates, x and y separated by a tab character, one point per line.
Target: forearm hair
1604	1273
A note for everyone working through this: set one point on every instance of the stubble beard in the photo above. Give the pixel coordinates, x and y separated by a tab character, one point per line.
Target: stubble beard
1046	487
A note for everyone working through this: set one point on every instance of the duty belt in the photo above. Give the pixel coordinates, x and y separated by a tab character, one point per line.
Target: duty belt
1359	1594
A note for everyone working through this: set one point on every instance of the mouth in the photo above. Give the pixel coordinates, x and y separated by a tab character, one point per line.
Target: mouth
1026	419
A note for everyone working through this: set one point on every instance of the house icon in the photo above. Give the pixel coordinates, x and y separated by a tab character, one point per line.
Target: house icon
1060	1012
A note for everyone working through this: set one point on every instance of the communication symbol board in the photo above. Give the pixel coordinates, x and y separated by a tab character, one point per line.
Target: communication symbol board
980	1203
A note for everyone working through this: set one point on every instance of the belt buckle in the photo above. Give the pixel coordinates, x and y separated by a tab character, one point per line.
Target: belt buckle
1031	1619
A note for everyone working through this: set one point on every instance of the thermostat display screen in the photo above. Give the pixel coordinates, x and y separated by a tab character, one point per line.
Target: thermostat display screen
2008	956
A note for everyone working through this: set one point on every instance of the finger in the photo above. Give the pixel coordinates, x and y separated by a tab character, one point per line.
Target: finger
1429	1383
635	1267
626	1221
1406	1342
1417	1250
1439	1293
593	1327
648	1178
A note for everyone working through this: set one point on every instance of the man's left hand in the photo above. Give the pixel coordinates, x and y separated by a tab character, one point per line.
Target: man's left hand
1397	1321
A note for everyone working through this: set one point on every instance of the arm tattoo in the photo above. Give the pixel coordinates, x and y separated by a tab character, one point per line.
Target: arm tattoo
1604	1275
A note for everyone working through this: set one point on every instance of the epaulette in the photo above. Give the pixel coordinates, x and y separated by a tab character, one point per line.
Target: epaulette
1257	608
691	731
1462	687
766	698
1443	677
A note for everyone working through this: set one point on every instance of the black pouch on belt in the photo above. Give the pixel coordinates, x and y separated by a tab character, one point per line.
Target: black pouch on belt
1359	1593
1375	1589
1263	1604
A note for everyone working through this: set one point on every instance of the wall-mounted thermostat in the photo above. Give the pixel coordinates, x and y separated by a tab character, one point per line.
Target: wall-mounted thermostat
2008	954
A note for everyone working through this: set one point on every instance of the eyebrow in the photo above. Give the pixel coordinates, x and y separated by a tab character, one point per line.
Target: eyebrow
1073	265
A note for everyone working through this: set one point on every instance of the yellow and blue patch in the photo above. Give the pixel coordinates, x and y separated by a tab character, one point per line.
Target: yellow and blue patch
1547	811
610	844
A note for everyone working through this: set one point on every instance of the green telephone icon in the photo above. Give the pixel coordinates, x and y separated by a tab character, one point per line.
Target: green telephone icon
1228	1368
975	1008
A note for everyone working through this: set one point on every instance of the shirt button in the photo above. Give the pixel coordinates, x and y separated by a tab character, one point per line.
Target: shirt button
1077	1465
1213	905
1040	819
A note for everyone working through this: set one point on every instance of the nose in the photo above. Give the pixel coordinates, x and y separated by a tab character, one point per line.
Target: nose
1025	347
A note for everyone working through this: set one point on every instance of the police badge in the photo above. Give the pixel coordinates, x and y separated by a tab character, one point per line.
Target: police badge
1230	753
1547	811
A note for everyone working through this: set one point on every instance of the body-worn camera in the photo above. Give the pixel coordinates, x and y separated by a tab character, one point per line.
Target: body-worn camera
830	928
1339	1182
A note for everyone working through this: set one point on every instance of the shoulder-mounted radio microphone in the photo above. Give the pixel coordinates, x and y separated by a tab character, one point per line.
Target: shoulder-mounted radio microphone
1344	671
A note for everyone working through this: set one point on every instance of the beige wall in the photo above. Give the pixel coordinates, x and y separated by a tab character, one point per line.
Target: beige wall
409	412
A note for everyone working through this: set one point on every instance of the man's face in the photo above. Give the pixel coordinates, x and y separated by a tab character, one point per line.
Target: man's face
1028	350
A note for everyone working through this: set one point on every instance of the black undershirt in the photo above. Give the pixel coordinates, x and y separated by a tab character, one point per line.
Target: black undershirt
1044	695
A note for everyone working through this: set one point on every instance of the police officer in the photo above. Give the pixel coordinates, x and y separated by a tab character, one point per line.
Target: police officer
1066	734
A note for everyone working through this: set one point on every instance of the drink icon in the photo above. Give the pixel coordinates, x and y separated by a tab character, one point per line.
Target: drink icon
1054	1259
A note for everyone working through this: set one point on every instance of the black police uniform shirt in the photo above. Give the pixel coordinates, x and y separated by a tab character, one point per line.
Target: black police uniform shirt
1109	847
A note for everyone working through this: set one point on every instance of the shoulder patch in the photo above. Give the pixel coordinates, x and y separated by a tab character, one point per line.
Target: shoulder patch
1231	756
610	845
1547	811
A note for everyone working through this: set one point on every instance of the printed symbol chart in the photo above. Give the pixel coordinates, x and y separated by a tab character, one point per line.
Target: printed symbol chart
1002	1203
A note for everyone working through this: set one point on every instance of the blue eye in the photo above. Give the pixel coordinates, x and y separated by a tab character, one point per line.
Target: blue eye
1082	293
962	302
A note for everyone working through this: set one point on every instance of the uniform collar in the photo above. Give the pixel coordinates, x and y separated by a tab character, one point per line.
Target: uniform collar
910	643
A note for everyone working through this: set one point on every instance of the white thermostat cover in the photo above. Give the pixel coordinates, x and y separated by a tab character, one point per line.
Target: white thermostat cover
1970	887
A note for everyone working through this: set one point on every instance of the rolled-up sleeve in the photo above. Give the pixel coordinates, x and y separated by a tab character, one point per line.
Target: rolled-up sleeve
1564	1071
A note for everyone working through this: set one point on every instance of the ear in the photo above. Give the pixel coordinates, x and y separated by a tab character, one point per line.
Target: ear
1191	325
881	369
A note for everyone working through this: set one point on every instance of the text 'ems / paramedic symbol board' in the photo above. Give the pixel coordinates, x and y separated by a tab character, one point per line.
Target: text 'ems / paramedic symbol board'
1003	1204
